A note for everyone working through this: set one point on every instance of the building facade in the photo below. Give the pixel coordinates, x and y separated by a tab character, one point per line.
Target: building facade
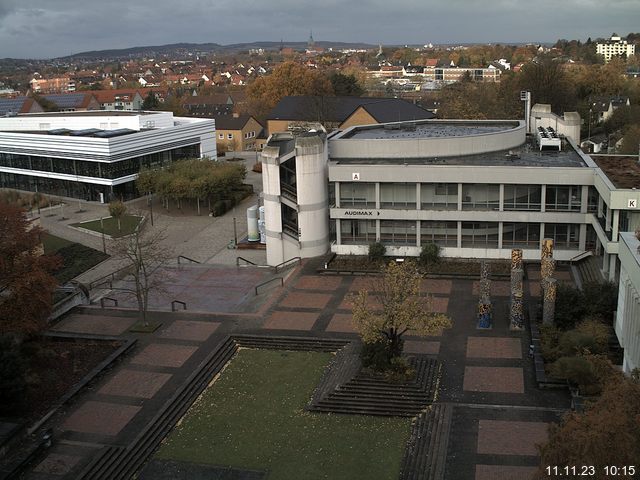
615	47
627	322
476	188
95	155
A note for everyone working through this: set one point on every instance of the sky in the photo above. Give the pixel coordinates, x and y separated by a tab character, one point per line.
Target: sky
54	28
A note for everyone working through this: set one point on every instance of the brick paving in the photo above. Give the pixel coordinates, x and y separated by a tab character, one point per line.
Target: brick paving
306	300
94	324
493	379
494	347
164	355
341	322
291	321
133	383
511	438
189	330
440	287
308	282
101	418
498	288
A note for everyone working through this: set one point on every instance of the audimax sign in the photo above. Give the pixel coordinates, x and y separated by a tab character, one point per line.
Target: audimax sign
361	213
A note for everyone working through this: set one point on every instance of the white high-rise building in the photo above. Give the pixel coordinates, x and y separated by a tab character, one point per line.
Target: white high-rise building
615	47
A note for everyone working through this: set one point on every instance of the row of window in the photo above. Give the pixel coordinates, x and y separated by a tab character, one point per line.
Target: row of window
85	168
445	234
230	135
445	196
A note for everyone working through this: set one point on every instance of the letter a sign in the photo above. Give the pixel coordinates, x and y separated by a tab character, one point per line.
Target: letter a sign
632	203
355	176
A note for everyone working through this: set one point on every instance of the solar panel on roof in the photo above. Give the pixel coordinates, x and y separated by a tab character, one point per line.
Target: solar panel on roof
11	105
67	100
59	131
84	133
113	133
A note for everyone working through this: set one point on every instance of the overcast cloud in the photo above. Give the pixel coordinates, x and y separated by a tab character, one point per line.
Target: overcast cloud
53	28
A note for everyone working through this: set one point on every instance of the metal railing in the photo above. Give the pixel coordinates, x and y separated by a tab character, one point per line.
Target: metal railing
107	278
178	302
238	259
268	282
187	258
114	300
287	264
580	256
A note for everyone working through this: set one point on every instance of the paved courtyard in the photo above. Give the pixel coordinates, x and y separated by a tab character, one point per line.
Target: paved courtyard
499	414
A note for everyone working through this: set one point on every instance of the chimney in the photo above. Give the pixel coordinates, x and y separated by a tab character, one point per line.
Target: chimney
236	115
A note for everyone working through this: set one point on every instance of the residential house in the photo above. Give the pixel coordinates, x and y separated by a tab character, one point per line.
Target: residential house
127	100
209	106
602	108
52	85
341	112
236	132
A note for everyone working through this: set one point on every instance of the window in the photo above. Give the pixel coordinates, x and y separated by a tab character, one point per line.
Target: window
521	235
480	234
221	136
356	194
398	195
357	232
522	197
564	235
398	232
560	197
479	196
444	234
229	136
439	196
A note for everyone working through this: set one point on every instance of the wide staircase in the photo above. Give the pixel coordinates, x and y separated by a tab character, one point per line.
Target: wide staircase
588	269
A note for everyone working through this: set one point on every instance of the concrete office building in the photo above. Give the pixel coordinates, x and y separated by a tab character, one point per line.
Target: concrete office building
627	323
476	188
95	155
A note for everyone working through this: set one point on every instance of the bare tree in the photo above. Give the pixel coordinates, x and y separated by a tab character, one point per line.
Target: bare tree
145	251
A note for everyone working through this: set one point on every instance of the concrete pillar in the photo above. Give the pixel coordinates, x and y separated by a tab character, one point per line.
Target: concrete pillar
459	197
377	195
501	203
615	225
600	206
377	230
541	234
605	260
500	230
543	201
418	197
459	235
582	240
612	267
584	199
607	220
272	208
418	239
337	193
549	302
338	232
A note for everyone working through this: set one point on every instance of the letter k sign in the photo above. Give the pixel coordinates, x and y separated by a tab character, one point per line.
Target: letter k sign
632	203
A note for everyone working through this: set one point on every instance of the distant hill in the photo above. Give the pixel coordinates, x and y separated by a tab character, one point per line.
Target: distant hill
194	48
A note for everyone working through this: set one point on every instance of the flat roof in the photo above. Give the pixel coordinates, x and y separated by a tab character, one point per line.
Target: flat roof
89	113
527	155
623	171
428	129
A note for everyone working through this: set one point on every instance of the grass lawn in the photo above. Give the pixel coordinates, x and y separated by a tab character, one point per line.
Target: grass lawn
253	417
52	244
128	224
76	258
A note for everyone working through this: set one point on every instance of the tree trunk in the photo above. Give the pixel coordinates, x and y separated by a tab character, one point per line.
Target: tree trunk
198	200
